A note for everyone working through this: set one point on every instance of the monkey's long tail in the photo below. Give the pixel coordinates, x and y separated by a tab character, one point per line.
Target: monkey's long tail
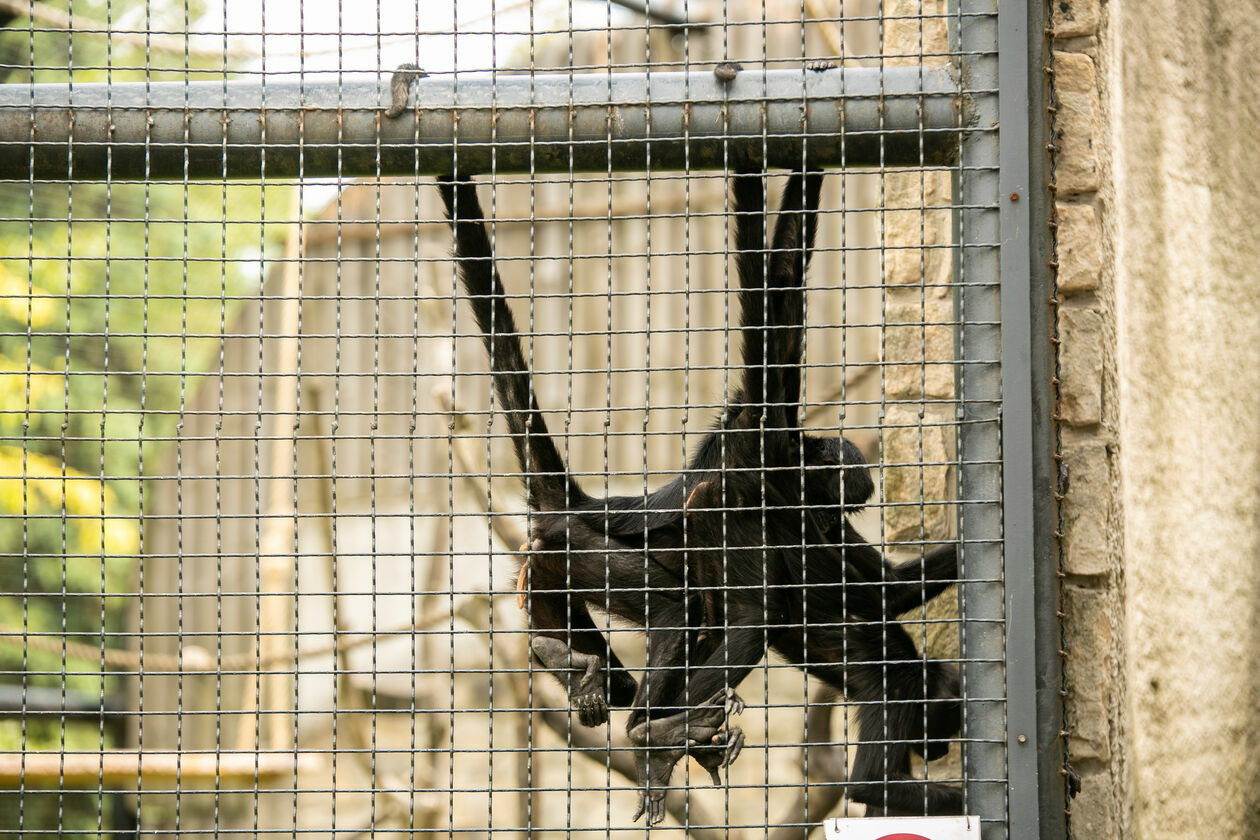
547	480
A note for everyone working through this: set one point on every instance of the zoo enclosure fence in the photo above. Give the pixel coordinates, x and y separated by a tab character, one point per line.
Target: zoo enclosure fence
275	593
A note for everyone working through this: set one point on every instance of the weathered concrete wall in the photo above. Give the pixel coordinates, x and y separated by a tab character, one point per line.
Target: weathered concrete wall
1186	119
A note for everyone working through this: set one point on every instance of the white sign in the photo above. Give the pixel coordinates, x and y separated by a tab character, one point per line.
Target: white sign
904	828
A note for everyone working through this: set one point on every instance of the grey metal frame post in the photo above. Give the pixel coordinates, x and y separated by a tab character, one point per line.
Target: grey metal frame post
1010	715
978	278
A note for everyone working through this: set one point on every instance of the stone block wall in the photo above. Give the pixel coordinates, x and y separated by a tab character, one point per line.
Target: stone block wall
1091	513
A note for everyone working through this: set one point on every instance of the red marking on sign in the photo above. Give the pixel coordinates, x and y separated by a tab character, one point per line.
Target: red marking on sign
901	835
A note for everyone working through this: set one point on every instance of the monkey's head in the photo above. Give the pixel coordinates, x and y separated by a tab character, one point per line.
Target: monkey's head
836	473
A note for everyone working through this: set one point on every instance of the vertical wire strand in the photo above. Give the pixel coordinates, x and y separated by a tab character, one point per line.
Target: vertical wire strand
1070	780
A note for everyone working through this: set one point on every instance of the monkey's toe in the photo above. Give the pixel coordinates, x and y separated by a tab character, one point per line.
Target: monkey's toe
734	740
819	65
592	709
400	86
652	803
727	71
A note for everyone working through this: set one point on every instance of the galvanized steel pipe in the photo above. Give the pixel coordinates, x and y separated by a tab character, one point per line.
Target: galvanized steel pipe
851	117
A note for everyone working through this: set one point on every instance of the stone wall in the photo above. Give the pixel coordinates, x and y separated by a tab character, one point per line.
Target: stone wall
1156	212
1092	548
917	348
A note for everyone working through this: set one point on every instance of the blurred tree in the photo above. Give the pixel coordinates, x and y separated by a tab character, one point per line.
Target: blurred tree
113	300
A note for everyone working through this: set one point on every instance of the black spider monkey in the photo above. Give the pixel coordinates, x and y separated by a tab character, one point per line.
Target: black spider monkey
741	465
628	555
787	554
635	544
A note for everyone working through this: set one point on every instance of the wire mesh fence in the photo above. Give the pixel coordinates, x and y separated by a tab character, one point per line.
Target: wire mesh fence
269	564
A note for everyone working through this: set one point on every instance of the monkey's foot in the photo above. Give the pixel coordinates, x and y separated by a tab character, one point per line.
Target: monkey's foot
664	741
652	803
400	86
723	747
582	675
819	65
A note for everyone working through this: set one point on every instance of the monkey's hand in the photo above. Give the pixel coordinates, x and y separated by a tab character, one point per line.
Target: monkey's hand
724	747
664	741
582	675
400	86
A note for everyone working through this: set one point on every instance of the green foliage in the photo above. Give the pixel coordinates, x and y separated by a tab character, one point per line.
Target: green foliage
113	298
109	313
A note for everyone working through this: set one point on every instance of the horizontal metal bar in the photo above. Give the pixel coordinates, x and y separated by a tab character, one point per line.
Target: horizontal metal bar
662	16
895	116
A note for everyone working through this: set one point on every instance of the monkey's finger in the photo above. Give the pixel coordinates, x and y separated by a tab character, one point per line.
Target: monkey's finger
734	744
522	580
592	711
657	814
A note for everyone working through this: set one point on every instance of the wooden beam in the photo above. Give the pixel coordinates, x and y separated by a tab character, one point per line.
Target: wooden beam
119	768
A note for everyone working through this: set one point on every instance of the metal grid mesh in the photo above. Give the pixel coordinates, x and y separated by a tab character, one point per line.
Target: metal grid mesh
261	509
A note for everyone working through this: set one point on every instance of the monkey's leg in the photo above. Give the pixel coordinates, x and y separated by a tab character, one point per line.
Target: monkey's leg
944	710
569	645
663	699
884	667
664	741
881	775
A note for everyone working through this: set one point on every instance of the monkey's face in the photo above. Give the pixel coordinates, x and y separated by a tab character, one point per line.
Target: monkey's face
836	474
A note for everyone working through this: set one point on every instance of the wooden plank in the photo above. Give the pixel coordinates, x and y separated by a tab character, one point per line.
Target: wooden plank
122	768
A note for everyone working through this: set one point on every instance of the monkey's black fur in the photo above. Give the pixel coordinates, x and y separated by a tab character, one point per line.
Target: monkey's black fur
621	553
748	549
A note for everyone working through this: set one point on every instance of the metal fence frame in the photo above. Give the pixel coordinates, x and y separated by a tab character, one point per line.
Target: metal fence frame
1009	620
1016	547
